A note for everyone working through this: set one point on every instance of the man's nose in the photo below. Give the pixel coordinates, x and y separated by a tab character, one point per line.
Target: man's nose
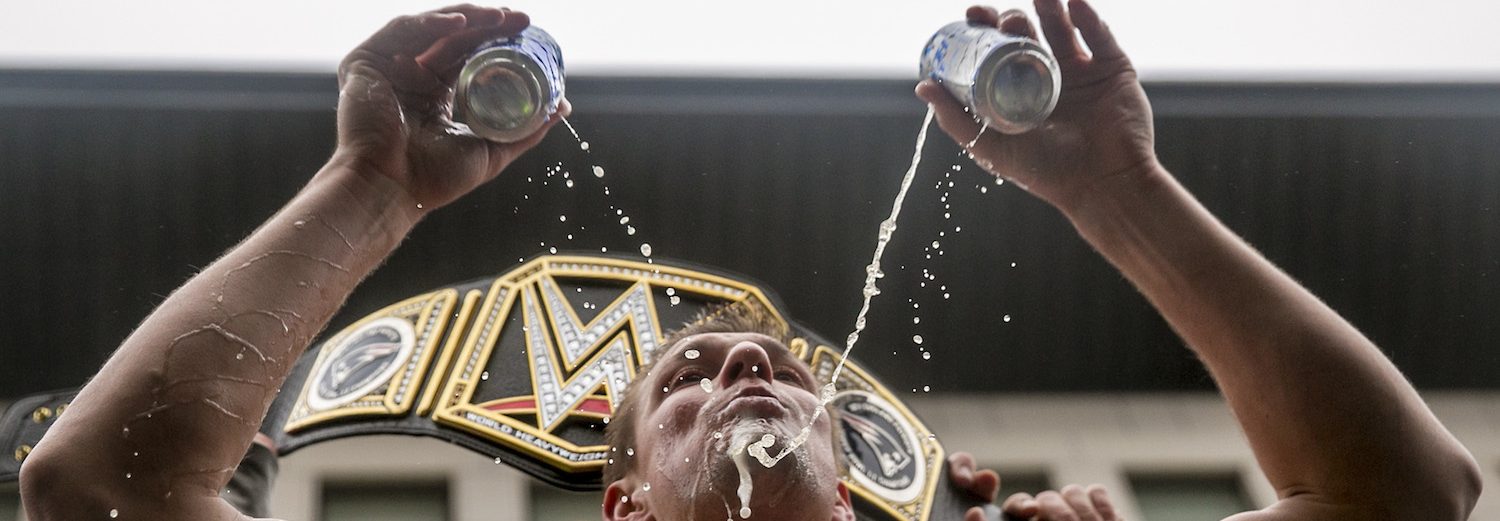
745	360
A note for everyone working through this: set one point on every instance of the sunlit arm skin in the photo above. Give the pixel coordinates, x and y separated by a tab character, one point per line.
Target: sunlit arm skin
1336	428
158	432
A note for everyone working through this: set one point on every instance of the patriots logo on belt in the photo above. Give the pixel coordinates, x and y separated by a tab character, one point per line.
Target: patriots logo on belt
375	366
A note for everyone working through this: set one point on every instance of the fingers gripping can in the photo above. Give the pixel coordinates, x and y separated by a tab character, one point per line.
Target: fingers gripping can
1010	81
509	87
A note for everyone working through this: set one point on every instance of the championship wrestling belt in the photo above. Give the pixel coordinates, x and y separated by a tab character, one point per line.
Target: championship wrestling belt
527	368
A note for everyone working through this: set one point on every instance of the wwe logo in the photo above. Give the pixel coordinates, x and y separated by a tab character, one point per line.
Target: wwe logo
594	354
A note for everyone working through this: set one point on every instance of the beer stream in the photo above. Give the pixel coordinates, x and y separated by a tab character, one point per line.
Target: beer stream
744	443
873	273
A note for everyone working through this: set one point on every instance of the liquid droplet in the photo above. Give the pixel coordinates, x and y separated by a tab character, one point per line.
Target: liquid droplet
485	376
630	452
707	385
917	339
935	244
562	218
916	320
499	461
585	146
1006	318
927	355
675	300
552	250
629	230
625	220
745	512
646	487
114	513
646	249
926	388
569	184
598	171
691	354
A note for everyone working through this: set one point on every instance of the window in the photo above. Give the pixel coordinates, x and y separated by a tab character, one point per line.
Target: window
1188	497
549	503
385	501
10	502
1030	481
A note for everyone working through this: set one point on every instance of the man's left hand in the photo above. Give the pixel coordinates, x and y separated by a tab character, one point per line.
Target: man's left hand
1072	503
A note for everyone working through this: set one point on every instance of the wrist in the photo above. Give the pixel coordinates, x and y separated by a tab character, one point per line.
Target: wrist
377	198
1112	190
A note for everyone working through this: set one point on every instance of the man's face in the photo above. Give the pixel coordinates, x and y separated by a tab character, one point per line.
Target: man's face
685	429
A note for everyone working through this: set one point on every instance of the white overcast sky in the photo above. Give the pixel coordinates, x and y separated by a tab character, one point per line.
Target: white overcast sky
1273	40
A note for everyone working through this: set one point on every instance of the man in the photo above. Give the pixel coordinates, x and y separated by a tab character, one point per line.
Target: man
156	434
727	380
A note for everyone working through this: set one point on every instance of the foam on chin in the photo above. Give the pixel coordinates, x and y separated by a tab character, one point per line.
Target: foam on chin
751	439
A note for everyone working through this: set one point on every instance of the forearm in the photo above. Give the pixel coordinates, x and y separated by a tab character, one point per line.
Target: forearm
173	410
1324	410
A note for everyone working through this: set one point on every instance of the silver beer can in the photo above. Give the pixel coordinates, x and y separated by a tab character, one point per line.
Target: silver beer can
1012	82
509	87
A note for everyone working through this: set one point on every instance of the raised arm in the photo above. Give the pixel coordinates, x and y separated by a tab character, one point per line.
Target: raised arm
158	432
1336	428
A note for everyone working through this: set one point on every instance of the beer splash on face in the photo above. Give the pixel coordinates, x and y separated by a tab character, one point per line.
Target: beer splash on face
758	449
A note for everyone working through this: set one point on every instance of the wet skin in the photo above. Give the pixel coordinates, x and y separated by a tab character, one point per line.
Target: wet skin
757	386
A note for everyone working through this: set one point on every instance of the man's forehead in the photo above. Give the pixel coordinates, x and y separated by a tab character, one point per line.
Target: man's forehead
726	340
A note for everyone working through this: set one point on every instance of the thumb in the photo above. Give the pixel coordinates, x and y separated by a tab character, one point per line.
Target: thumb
953	117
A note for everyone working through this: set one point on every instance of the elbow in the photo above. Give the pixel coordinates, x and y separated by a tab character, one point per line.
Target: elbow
1469	484
43	485
52	488
1451	487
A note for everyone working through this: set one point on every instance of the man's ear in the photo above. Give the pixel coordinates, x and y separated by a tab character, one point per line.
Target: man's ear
619	506
843	508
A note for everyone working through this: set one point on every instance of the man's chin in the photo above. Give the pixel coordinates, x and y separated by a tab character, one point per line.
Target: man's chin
790	483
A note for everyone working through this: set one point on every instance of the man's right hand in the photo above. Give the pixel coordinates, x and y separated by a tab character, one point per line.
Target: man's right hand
395	105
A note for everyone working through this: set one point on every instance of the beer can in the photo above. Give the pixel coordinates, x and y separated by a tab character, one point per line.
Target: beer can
1010	81
509	87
